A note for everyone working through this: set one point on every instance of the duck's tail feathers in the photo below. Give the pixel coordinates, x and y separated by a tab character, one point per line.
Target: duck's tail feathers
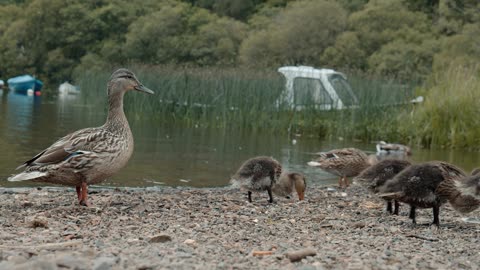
390	195
314	163
24	176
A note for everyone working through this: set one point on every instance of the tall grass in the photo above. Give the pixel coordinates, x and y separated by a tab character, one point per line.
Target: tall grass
240	99
449	116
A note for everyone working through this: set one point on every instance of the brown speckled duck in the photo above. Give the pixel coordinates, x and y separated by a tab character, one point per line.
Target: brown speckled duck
375	176
89	156
346	162
289	182
464	193
258	174
417	186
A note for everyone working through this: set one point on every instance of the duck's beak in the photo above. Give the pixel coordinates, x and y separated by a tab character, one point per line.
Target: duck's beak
144	89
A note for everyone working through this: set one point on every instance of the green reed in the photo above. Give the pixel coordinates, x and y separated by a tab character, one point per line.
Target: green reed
449	116
241	99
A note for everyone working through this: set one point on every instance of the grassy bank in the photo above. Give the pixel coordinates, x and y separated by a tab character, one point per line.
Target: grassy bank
247	100
449	116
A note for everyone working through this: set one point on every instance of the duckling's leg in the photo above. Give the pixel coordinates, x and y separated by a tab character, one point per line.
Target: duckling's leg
269	190
397	207
389	207
436	212
412	214
83	200
249	196
340	182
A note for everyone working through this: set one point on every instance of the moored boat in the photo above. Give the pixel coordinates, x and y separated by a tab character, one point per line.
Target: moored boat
24	83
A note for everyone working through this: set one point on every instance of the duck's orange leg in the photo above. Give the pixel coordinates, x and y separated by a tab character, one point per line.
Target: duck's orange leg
79	193
83	200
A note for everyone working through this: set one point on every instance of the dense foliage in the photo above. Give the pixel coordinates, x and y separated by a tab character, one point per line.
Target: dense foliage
401	38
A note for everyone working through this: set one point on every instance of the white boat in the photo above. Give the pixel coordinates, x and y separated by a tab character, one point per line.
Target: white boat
324	89
68	89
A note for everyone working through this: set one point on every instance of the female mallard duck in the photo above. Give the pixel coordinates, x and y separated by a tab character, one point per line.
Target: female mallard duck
417	186
89	156
258	174
288	182
392	151
464	193
346	162
375	176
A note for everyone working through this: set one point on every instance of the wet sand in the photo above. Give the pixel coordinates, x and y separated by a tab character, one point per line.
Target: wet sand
188	228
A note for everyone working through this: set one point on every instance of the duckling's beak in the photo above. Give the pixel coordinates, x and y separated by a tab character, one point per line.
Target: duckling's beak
144	89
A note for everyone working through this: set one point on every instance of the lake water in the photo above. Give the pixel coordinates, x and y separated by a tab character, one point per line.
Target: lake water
167	154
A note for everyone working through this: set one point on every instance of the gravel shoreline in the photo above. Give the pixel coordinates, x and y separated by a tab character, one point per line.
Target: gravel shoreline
216	228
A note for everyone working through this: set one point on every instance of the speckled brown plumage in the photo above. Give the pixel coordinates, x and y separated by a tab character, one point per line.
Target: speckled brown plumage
375	176
258	174
89	156
463	194
346	162
288	182
417	186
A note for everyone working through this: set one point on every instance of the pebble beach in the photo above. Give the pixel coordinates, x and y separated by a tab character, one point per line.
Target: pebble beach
216	228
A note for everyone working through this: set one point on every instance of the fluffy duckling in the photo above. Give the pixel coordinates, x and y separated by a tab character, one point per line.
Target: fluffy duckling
392	151
375	176
288	182
89	156
463	194
346	162
417	186
258	174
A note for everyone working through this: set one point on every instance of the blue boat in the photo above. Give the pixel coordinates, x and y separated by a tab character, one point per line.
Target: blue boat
24	83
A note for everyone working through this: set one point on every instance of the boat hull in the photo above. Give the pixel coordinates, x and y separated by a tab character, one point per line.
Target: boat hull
24	83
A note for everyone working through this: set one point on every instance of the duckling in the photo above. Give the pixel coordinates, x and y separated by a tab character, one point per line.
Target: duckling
258	174
288	182
417	186
392	151
346	162
375	176
89	156
463	194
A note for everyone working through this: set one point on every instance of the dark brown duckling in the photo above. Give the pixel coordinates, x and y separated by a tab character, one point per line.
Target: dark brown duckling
463	194
417	186
258	174
288	182
375	176
346	162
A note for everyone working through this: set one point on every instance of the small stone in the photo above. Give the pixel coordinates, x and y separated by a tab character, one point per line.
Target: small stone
39	222
190	242
161	238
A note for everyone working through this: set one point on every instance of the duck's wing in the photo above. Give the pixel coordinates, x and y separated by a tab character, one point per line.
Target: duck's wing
72	144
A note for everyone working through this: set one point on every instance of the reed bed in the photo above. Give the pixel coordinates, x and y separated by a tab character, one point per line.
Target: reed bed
239	99
449	116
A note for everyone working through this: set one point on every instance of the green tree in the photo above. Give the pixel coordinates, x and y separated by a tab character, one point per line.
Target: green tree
298	35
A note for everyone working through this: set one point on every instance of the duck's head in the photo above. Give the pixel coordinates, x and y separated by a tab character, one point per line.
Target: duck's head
300	183
123	80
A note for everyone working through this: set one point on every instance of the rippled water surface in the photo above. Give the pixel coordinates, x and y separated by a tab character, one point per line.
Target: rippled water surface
166	154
